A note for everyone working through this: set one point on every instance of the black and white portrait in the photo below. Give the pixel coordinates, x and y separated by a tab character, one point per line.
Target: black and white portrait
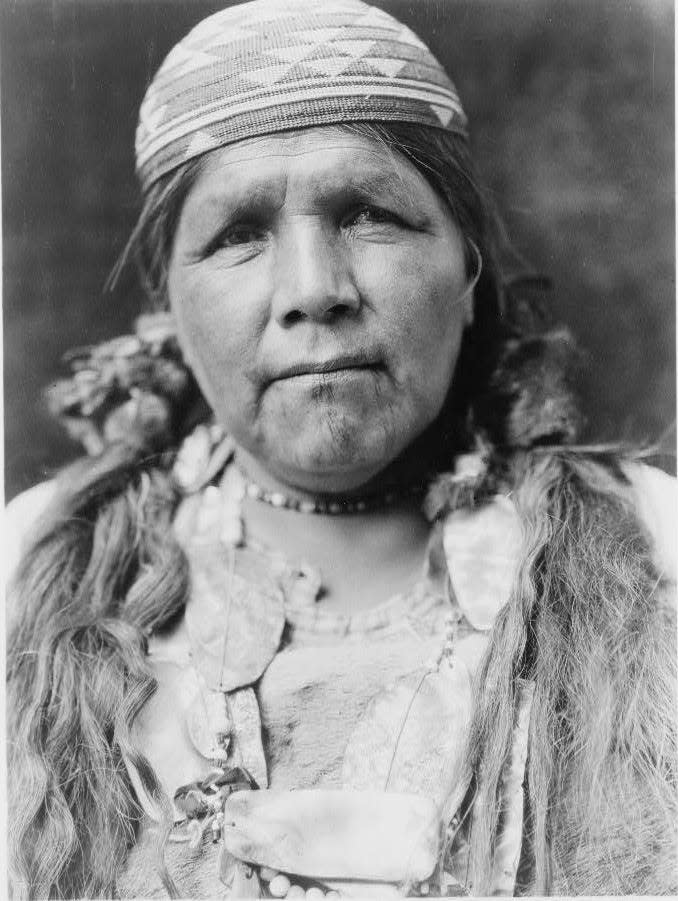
339	417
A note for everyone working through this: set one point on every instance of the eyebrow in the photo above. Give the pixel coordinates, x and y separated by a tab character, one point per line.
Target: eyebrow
380	183
263	195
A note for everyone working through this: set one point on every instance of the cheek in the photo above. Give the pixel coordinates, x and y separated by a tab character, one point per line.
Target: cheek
219	342
423	316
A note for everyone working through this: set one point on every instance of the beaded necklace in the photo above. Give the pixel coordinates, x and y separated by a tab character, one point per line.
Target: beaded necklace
332	507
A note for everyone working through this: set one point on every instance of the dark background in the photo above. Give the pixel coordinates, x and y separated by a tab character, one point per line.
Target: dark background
571	106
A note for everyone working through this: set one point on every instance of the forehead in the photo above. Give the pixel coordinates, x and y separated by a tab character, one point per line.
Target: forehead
318	162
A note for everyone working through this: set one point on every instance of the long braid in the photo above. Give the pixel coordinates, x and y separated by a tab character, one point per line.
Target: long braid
587	623
103	573
606	676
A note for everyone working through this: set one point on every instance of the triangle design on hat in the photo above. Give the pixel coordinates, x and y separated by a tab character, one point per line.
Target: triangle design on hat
354	49
331	67
362	68
443	113
292	54
388	67
304	72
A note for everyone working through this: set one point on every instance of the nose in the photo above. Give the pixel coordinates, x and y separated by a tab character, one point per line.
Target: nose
313	279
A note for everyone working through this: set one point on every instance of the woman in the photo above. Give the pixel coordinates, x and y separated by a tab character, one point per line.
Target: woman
244	660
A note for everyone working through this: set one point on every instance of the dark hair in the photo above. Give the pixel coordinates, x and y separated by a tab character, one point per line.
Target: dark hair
585	622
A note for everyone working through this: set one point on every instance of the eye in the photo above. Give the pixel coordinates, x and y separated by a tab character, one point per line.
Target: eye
243	237
368	214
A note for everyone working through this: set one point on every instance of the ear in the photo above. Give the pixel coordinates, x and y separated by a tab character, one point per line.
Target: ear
469	296
468	306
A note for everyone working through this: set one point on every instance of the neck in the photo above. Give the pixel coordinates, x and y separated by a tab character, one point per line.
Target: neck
364	558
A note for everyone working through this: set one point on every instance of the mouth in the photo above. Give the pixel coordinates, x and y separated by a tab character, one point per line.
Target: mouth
337	365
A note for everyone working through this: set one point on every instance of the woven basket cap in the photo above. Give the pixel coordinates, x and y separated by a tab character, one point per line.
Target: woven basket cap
275	65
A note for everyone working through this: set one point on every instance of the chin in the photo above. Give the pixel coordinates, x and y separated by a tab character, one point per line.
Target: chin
333	459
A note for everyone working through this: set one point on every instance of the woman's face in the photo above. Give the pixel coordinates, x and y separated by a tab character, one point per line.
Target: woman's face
320	293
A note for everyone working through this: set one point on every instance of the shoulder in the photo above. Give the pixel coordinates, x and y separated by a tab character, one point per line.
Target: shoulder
655	497
484	546
22	516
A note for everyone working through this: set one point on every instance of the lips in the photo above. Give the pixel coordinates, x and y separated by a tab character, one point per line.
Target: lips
334	364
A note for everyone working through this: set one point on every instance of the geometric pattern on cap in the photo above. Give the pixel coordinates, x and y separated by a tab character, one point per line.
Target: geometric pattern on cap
275	65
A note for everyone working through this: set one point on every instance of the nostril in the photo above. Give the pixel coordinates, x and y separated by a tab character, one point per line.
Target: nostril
337	310
293	316
332	312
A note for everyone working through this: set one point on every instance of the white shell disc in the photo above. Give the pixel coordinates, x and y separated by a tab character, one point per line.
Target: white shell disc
412	737
326	833
235	623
